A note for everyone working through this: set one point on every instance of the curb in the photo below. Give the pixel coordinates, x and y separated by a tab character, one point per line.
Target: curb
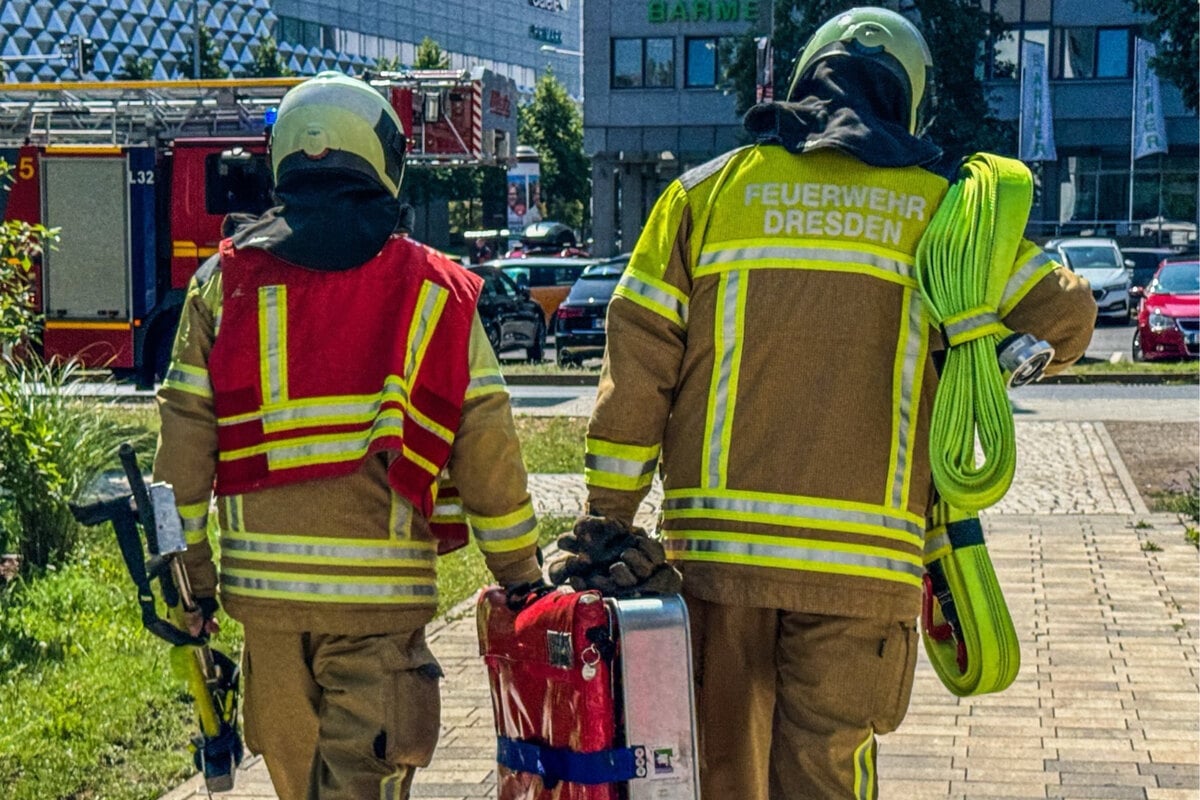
1123	378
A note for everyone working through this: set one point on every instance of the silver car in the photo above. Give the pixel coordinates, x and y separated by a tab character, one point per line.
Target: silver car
1102	264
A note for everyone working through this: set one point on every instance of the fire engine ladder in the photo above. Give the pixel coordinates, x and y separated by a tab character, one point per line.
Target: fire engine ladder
431	88
134	112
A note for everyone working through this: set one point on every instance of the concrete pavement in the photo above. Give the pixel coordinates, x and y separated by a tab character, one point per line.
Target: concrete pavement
1104	598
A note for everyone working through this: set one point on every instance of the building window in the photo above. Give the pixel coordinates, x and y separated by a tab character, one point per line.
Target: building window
643	63
1007	51
706	60
1093	53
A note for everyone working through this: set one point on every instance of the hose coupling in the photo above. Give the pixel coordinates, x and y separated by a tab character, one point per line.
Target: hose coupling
1023	358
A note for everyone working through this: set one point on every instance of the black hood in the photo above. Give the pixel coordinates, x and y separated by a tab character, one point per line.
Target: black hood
851	104
328	220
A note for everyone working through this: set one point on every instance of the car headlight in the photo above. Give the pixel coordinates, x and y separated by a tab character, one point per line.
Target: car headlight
1160	322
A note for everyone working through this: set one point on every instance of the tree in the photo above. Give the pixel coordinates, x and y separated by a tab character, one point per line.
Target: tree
267	61
553	126
1175	28
957	32
211	65
136	69
431	56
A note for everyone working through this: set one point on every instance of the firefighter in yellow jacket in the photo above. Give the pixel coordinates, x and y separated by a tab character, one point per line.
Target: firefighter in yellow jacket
326	372
768	353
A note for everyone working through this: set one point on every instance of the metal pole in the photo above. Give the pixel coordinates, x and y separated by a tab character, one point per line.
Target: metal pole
196	39
1132	139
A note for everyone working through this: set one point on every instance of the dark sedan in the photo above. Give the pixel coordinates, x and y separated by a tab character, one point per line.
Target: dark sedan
579	328
511	319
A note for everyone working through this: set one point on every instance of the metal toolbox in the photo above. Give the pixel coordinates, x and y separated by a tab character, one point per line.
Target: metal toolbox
592	697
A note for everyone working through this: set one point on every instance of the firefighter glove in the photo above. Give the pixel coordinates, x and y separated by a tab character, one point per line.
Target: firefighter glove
519	595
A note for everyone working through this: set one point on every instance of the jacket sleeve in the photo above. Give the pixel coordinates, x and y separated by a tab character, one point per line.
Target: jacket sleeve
1047	300
486	467
647	334
186	456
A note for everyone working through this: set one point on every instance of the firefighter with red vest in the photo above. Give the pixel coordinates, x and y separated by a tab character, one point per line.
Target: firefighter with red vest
769	353
325	374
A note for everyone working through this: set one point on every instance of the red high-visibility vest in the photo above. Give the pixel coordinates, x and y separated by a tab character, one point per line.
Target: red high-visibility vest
313	371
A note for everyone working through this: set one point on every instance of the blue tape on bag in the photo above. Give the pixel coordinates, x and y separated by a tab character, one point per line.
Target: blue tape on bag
556	764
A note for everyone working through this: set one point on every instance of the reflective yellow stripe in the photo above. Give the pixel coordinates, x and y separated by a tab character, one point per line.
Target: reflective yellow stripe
272	342
619	466
88	326
654	295
864	769
1036	266
186	378
807	254
431	300
722	394
234	518
195	522
373	589
795	512
912	351
322	551
797	554
508	532
972	324
483	382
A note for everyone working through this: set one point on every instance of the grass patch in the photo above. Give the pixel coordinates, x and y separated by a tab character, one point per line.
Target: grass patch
552	444
1180	368
1192	536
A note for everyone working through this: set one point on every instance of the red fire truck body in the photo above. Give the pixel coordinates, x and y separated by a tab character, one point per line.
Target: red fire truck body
138	177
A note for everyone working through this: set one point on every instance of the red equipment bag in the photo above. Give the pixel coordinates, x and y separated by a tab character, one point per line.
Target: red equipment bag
591	696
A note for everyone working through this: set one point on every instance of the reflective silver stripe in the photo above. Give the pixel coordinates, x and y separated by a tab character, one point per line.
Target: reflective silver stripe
233	512
1019	278
911	370
349	445
935	543
501	534
272	347
729	350
864	767
426	318
188	380
795	511
655	295
231	579
235	545
811	254
620	466
954	330
484	381
758	550
195	523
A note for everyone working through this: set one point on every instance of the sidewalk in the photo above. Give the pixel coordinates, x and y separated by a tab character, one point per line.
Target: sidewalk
1104	598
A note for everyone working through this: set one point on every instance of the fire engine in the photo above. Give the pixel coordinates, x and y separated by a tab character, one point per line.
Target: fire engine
138	176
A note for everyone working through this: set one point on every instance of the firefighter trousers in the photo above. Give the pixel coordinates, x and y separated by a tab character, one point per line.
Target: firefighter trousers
788	704
340	717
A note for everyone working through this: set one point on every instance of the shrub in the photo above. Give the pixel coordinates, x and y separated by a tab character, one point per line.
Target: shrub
53	445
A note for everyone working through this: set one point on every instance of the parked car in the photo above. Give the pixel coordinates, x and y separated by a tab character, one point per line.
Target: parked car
579	332
1168	321
1101	262
1146	261
510	318
548	278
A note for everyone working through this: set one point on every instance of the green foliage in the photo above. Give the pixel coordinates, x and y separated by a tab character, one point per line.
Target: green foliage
431	56
136	68
21	244
1192	536
267	61
1175	27
384	64
553	125
90	707
211	65
1151	546
53	445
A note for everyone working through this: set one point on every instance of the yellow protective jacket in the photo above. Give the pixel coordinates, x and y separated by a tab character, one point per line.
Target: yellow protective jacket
769	353
345	554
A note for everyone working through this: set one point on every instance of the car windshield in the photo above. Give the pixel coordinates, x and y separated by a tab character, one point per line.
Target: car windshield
604	270
1183	278
1090	257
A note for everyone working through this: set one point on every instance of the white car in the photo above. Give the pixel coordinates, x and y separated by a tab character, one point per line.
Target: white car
1100	262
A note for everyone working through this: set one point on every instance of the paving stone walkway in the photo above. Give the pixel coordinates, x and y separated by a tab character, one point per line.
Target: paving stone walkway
1104	597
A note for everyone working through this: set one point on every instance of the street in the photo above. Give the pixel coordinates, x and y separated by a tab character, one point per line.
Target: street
1111	341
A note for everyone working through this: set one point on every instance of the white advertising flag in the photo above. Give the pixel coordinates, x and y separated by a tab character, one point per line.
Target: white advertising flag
1037	126
1149	130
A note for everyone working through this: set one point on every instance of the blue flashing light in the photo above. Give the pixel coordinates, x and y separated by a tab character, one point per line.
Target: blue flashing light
270	115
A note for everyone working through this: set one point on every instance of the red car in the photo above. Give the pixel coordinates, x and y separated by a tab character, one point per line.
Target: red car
1168	320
